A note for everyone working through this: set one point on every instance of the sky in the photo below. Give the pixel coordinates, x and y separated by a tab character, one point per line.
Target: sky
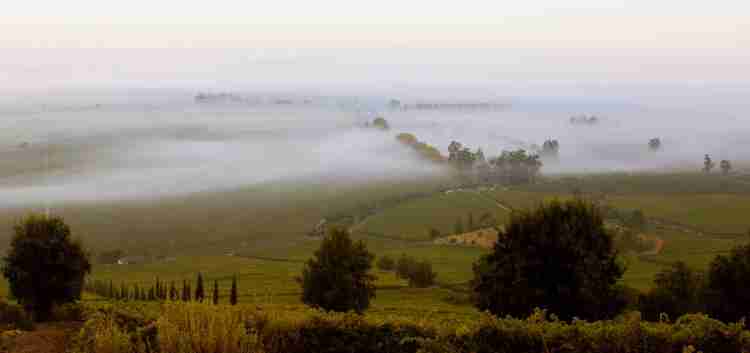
550	46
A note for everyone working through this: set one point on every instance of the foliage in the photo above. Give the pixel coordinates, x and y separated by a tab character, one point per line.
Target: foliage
337	277
207	328
678	290
708	164
726	166
654	144
386	263
513	167
233	291
200	293
727	293
418	273
14	317
381	123
558	256
45	266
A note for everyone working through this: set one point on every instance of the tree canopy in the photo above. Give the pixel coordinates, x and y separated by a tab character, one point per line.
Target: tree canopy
557	257
44	265
338	277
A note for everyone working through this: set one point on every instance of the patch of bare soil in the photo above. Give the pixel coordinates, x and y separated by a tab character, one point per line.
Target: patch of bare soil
46	338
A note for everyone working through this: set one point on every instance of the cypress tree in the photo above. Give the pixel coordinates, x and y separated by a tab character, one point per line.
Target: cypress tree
111	292
216	292
199	295
123	292
233	293
172	292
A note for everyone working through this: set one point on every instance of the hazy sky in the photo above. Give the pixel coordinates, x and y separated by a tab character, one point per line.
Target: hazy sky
379	42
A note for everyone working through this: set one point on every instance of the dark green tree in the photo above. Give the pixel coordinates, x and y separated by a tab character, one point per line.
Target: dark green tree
233	292
185	291
173	292
470	223
337	278
44	265
199	293
727	293
404	266
386	263
677	291
215	296
421	275
557	257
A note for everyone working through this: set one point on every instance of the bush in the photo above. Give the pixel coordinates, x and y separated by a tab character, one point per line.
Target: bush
386	263
727	292
421	275
44	266
14	317
558	257
337	277
677	291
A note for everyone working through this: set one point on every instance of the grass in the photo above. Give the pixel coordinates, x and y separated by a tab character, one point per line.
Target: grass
413	219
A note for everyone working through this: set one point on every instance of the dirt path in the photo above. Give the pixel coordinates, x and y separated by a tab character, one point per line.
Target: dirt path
46	338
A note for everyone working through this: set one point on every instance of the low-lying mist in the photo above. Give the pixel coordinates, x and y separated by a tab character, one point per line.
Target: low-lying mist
91	148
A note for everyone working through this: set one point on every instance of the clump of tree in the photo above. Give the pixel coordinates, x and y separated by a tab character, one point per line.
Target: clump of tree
727	295
550	148
423	150
45	266
677	290
708	164
386	263
462	157
654	144
584	120
726	166
338	277
558	257
381	123
514	167
419	274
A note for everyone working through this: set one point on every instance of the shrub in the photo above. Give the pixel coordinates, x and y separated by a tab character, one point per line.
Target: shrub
45	266
727	293
14	317
404	266
386	263
421	275
337	277
558	257
677	291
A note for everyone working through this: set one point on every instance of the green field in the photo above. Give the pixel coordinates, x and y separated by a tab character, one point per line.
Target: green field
265	228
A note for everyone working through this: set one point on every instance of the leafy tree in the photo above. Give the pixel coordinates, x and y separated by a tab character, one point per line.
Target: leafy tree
44	265
173	292
677	291
708	164
421	275
381	123
726	166
404	266
386	263
407	139
727	292
557	257
215	296
199	293
337	278
185	291
233	292
654	144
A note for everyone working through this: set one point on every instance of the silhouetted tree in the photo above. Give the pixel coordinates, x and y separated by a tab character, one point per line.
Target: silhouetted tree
654	144
337	278
421	275
233	292
403	266
44	265
708	164
726	166
558	257
173	292
677	291
199	294
386	263
727	292
185	291
215	296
